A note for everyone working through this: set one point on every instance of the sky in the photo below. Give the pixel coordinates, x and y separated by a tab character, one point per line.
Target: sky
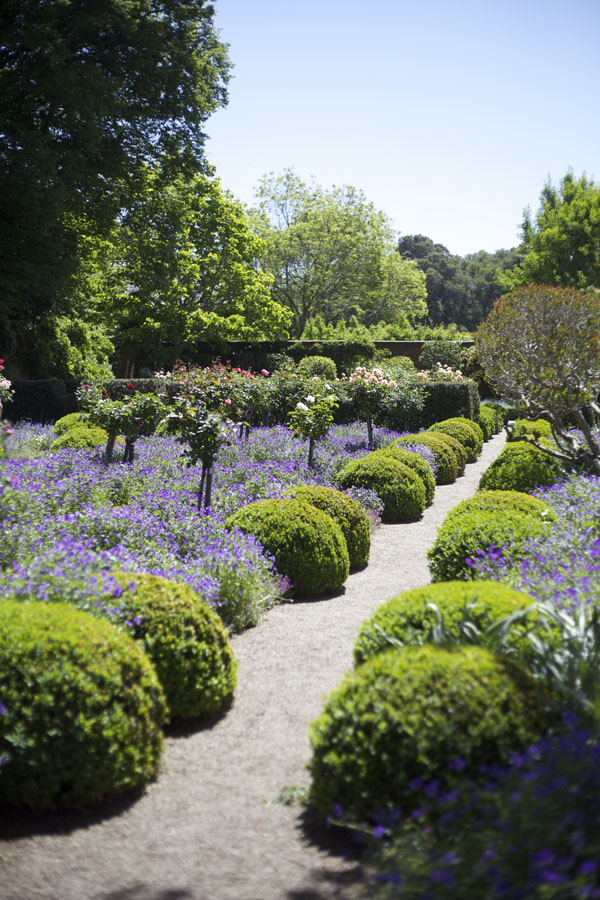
449	116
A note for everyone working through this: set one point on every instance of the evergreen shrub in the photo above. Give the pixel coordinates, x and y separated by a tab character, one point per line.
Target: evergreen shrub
80	437
185	639
82	708
410	617
418	464
400	488
447	353
444	399
537	428
467	432
489	422
307	544
320	366
520	467
504	500
461	536
447	462
415	714
346	511
71	420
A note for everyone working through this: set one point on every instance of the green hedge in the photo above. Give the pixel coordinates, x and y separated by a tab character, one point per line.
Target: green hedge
446	399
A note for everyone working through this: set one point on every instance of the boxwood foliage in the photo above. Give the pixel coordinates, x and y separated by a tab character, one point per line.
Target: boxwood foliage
490	422
537	428
71	420
307	544
520	467
418	464
321	366
447	462
400	488
82	708
405	716
346	511
501	500
461	536
467	432
80	437
410	618
450	398
185	639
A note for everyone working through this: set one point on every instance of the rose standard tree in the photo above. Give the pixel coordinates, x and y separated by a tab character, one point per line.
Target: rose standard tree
540	347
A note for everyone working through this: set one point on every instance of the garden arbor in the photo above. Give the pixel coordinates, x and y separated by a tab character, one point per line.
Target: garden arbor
540	347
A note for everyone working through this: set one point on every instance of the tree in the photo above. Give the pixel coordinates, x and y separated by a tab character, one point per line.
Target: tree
331	253
182	269
90	94
540	347
562	245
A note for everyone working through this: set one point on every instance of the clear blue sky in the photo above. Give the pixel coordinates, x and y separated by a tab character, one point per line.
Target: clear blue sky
449	116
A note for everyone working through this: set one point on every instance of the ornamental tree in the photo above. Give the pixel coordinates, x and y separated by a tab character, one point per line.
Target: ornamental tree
540	347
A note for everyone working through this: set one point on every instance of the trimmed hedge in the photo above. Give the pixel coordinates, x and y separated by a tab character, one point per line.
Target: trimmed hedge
71	420
520	467
308	546
414	461
536	428
400	719
185	639
400	488
409	618
347	512
467	432
444	399
83	708
446	459
501	500
489	422
321	366
461	536
80	437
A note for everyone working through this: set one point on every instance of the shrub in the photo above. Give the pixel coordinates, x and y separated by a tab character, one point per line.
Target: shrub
418	464
321	366
347	512
308	546
461	536
444	399
538	428
80	437
471	440
447	353
406	716
71	420
410	619
400	488
185	639
447	463
489	422
520	467
83	708
504	500
458	449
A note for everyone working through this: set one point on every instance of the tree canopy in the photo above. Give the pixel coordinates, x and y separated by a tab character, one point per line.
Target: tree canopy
562	244
331	253
90	94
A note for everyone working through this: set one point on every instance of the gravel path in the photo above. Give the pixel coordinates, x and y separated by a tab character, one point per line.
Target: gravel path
208	829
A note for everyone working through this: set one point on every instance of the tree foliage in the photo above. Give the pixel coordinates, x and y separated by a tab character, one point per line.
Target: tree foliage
562	244
540	346
90	94
331	253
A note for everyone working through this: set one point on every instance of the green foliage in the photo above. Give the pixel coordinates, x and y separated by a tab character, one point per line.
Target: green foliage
520	467
376	734
347	512
307	544
330	253
504	499
185	640
538	428
321	366
71	420
412	617
444	399
416	462
561	245
462	535
81	437
400	488
402	330
84	708
467	432
445	457
311	420
447	353
490	422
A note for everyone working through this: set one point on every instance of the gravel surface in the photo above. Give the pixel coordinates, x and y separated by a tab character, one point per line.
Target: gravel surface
211	827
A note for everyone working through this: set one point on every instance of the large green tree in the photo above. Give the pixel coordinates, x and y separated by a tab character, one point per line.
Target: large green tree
331	253
562	243
91	92
182	268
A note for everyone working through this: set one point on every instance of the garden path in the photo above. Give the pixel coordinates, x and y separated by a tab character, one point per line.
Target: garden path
206	830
